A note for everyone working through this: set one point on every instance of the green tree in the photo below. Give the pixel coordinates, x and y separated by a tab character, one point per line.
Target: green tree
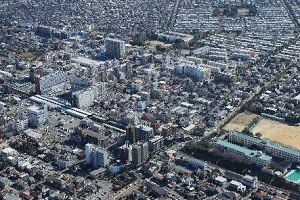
160	48
151	35
259	135
216	12
247	132
179	44
272	165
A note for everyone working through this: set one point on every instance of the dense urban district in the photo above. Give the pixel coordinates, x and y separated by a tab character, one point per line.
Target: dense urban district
150	99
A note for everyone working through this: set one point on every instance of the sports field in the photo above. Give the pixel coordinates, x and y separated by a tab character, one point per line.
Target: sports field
240	122
279	132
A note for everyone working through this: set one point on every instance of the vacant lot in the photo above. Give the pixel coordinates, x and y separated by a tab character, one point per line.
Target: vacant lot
156	42
240	122
279	132
243	12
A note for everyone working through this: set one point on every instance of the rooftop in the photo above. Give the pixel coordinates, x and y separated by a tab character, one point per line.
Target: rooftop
244	150
34	108
32	134
248	137
297	97
283	148
86	62
233	146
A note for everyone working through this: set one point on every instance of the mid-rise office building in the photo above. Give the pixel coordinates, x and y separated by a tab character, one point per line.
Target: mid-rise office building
89	136
84	98
37	115
44	31
20	125
52	83
115	48
81	83
198	71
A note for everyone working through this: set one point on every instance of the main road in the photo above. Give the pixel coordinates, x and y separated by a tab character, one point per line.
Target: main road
173	16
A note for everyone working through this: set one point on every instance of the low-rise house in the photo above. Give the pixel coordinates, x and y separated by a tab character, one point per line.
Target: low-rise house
237	186
250	181
219	180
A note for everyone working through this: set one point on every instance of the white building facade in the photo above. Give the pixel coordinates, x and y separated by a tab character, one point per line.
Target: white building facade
88	153
100	158
37	115
96	156
156	144
84	98
51	83
198	71
271	148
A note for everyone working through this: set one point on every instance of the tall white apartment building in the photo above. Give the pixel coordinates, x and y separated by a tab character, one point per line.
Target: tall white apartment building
100	158
156	144
88	153
96	156
140	153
